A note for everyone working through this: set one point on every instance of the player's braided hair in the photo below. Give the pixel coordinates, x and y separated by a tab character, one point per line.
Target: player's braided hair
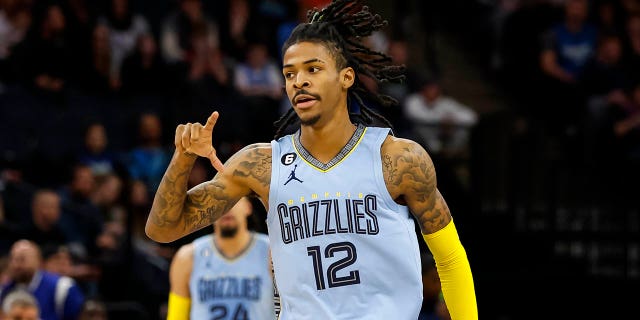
340	27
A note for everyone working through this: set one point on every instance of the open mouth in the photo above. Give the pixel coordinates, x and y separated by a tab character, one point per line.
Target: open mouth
304	101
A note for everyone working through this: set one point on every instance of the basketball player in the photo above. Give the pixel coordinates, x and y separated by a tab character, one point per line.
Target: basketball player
226	275
341	235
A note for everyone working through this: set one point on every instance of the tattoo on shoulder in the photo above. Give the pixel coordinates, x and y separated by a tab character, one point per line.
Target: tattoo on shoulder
409	173
257	165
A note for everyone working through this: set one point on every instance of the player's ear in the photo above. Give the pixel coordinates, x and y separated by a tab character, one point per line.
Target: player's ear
347	77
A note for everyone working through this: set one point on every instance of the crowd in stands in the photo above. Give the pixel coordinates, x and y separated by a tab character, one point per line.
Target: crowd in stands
573	67
90	92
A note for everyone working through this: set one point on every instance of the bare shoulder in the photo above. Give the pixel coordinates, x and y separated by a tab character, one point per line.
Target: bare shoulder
410	177
253	163
184	254
402	161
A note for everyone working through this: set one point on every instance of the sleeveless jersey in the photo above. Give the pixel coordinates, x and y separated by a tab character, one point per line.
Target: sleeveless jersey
231	289
342	248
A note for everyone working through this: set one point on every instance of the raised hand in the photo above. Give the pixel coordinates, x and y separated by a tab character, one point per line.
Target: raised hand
196	139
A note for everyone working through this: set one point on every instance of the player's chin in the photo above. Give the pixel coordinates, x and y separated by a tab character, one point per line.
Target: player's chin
309	120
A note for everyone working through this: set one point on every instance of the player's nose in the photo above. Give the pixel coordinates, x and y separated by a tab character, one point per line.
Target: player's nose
301	82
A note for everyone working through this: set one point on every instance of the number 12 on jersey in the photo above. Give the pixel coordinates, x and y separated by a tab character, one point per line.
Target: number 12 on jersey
334	280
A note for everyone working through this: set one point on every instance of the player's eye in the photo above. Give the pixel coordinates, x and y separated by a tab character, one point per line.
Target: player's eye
314	69
288	75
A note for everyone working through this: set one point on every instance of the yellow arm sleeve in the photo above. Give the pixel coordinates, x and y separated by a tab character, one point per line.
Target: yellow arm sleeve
179	307
454	271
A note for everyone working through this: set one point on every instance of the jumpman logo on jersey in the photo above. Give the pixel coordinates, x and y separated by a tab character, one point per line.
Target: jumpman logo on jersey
292	175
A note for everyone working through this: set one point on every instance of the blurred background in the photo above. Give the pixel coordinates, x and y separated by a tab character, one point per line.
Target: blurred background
529	108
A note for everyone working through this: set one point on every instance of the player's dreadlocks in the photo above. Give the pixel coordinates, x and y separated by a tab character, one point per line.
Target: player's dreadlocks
340	27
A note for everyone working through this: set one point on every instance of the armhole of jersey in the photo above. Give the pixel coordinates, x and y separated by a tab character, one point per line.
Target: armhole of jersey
379	176
275	174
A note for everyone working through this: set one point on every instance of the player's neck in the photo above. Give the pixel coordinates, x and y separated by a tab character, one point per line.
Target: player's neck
232	247
325	141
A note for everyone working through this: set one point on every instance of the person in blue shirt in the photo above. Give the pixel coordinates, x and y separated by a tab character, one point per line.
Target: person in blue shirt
58	297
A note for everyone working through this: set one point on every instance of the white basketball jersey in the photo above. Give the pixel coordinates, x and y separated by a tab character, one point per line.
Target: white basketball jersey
231	289
342	248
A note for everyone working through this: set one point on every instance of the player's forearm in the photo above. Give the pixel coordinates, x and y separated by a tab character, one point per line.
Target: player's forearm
164	222
454	271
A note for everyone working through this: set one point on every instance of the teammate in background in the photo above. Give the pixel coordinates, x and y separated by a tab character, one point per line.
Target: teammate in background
226	275
342	238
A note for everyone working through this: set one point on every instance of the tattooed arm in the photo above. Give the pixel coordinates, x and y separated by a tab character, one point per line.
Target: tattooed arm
411	179
177	212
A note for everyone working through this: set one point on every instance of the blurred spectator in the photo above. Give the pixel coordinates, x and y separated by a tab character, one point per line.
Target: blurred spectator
107	196
57	259
94	153
97	76
45	56
15	20
206	62
20	305
178	30
15	198
604	82
125	28
399	52
441	123
149	159
143	72
604	73
44	226
140	202
58	296
268	16
80	21
609	17
208	82
626	125
236	32
568	47
81	219
260	81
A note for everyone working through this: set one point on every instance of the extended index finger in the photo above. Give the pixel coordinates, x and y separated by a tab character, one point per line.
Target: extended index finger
211	121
